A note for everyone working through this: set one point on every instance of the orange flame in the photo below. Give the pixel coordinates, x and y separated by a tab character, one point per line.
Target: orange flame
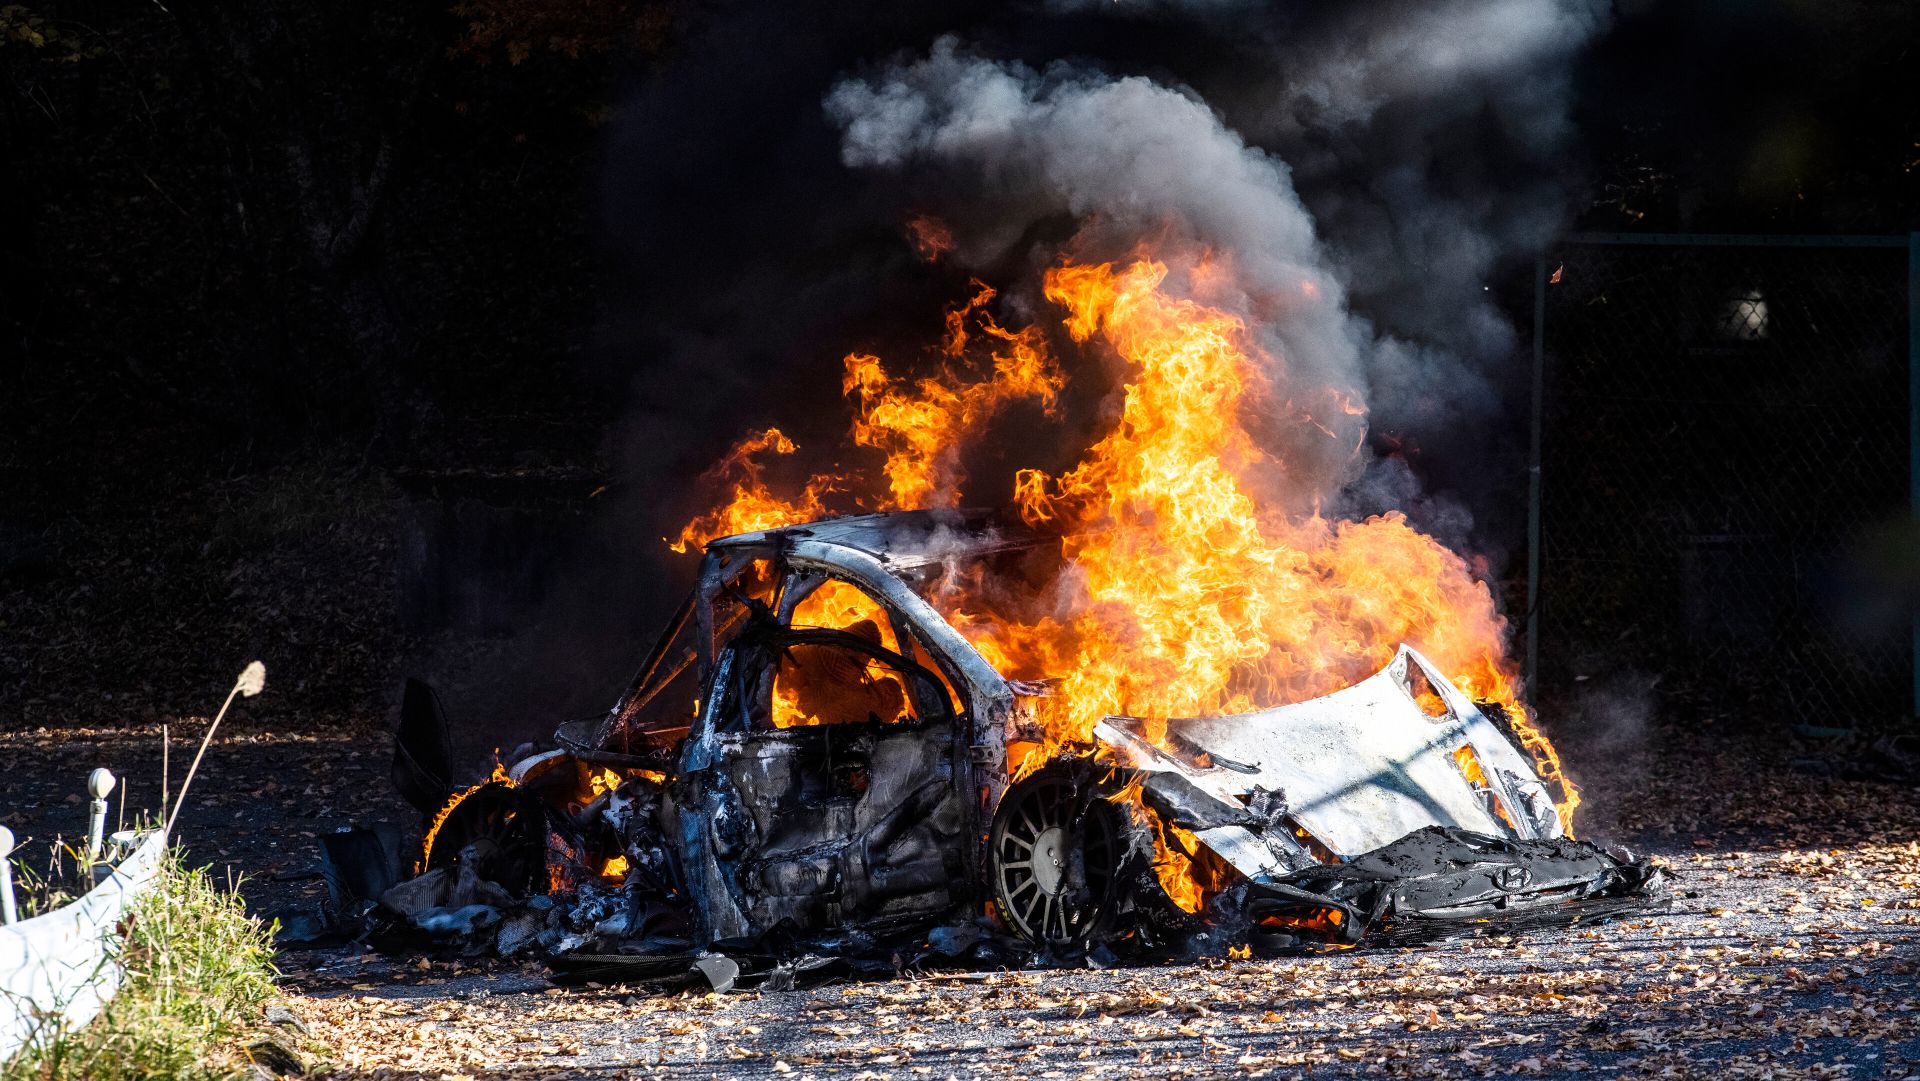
1191	598
838	605
1470	767
1185	593
1323	922
597	779
1172	850
499	775
924	427
752	505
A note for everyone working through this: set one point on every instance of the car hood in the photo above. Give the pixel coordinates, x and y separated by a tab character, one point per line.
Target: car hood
1357	769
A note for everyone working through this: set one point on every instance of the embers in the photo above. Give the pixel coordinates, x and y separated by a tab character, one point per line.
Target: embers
554	855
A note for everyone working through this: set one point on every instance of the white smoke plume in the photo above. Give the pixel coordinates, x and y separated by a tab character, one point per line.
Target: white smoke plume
1129	159
1431	138
1382	159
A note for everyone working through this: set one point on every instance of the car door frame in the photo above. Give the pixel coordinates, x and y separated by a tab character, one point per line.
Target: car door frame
980	716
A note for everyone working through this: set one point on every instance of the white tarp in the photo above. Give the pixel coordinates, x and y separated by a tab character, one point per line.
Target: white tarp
57	968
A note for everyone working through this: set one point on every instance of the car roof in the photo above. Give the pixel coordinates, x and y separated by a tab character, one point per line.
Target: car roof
898	538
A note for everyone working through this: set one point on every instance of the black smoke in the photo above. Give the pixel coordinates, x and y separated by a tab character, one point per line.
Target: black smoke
1395	157
1370	169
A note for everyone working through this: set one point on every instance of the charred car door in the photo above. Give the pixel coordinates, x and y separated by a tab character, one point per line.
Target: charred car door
821	782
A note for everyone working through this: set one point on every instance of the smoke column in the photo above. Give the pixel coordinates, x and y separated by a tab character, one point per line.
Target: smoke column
1369	170
1367	180
1393	157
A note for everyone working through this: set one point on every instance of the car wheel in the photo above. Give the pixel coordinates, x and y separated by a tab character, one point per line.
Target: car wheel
508	819
1054	854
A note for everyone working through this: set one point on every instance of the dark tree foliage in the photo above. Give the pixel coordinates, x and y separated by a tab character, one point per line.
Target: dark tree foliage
249	248
1754	117
312	104
263	215
573	28
281	218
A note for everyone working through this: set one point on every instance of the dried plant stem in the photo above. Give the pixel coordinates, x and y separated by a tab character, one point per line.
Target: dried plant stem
181	800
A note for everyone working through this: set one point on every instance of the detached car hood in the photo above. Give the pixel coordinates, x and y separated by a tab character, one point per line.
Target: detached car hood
1356	769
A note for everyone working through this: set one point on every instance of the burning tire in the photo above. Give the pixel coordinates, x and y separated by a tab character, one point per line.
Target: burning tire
505	822
1055	855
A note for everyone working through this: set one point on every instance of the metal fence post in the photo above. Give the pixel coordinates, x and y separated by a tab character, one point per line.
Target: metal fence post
8	912
1913	421
1533	480
99	786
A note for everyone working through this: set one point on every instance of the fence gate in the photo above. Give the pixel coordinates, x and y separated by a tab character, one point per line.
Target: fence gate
1724	445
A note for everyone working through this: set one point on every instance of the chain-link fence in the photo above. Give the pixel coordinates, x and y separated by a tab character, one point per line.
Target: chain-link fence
1724	431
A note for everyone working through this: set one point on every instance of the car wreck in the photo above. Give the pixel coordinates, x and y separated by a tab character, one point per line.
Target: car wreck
812	761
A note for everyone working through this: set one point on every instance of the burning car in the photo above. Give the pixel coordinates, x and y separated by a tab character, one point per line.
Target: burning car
813	753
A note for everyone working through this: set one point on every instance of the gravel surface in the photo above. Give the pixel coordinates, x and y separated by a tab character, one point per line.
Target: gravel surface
1791	950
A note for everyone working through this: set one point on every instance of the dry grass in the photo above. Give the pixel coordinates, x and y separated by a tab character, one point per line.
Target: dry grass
198	972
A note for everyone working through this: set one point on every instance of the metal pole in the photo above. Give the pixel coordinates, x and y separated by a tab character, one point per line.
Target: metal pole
99	786
8	914
1913	422
1533	476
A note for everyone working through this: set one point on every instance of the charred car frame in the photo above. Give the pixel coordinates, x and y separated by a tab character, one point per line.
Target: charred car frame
765	778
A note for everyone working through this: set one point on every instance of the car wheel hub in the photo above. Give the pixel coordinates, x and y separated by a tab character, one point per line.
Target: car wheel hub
1049	861
1054	857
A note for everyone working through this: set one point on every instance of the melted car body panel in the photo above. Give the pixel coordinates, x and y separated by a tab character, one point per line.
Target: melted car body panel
1358	768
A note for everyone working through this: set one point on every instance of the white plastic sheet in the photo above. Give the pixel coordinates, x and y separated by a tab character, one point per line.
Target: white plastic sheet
58	969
